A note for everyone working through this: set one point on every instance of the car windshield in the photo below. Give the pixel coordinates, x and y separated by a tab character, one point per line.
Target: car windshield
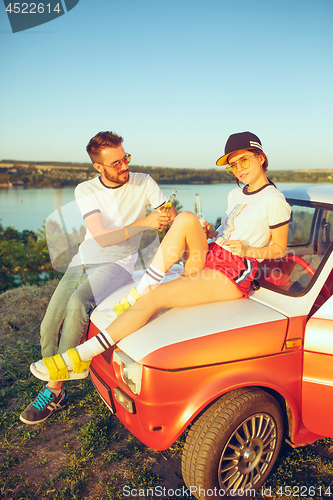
309	245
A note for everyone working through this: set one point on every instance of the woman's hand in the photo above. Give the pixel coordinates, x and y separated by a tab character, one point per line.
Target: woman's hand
236	247
210	231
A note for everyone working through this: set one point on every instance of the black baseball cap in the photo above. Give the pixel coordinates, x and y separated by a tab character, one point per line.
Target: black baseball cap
236	142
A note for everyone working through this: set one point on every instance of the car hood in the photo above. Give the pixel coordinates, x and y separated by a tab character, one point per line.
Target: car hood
195	336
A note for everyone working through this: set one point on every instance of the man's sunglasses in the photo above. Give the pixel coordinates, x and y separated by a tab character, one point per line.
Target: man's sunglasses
117	164
244	162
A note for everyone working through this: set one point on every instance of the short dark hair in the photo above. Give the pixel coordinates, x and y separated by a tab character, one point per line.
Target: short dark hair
101	141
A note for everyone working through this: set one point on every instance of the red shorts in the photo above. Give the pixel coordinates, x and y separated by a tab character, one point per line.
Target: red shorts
241	271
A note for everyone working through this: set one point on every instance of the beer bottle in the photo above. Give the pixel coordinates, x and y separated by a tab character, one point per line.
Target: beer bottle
198	211
166	207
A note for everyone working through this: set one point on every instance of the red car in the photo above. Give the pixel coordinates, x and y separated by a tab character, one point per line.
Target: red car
244	374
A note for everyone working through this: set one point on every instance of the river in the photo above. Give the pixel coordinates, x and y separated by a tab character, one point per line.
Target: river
28	208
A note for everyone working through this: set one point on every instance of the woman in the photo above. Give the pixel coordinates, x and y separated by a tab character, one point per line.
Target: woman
255	227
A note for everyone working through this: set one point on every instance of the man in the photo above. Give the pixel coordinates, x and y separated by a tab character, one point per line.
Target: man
113	206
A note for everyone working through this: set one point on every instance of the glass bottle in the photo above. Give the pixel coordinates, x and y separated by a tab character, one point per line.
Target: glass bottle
198	211
166	207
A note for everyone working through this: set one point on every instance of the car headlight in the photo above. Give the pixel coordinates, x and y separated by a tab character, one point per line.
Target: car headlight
130	370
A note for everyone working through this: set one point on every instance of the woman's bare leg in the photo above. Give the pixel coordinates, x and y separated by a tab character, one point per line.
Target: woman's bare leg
197	288
186	239
185	236
191	290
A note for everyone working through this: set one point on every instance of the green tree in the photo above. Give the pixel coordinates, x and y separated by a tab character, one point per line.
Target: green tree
24	258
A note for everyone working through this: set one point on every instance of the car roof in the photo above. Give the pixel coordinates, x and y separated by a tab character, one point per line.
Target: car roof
319	193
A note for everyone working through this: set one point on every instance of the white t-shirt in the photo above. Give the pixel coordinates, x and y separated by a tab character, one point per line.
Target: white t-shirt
251	216
118	207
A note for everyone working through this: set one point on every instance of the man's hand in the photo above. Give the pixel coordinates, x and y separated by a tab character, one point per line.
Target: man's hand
157	219
236	247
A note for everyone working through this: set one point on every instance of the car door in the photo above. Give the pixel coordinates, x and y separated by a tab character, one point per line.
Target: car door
317	384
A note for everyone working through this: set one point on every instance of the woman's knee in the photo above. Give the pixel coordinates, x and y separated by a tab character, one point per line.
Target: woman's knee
186	219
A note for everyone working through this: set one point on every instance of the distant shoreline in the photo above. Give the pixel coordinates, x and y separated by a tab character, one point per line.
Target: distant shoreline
64	174
44	165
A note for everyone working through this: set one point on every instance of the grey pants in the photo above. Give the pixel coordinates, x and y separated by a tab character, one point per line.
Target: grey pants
75	297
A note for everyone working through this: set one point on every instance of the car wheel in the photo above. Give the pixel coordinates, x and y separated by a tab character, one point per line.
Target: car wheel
233	445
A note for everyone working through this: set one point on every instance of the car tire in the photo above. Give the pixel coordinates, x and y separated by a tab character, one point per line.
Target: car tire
233	445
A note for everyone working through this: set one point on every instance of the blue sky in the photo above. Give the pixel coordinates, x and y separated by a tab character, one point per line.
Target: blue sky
174	78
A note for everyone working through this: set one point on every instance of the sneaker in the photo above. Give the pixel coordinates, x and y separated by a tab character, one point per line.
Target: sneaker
44	405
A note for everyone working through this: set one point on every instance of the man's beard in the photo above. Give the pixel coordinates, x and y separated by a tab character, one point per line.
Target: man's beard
115	177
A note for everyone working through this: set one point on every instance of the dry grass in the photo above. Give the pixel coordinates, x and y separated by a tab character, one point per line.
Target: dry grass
22	310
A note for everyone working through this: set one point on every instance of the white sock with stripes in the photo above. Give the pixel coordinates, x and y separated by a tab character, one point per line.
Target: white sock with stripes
93	346
152	276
